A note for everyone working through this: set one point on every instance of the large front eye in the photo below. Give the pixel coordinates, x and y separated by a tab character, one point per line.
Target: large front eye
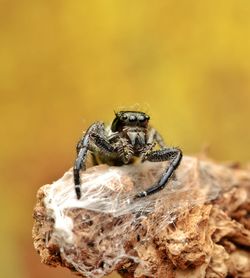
132	118
141	119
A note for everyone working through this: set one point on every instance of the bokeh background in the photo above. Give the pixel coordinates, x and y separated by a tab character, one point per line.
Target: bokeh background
65	64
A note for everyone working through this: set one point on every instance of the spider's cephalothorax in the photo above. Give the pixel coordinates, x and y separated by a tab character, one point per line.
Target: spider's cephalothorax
128	137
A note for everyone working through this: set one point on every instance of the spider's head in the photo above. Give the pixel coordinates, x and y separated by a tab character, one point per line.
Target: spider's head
129	119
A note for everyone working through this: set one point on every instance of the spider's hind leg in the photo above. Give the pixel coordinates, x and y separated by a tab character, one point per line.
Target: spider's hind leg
174	155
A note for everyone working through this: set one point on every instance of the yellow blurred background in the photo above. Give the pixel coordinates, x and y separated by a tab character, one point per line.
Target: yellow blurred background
65	64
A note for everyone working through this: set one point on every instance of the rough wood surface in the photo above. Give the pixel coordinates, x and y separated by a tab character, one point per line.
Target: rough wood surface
200	230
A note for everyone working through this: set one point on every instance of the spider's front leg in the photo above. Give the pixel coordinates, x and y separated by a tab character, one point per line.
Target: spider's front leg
174	155
92	139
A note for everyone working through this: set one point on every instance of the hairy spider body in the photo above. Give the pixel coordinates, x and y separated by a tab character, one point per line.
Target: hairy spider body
128	137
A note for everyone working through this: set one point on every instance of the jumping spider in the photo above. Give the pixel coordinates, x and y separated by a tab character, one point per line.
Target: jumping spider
128	137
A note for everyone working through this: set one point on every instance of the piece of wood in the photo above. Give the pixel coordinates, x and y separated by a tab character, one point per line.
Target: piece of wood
198	226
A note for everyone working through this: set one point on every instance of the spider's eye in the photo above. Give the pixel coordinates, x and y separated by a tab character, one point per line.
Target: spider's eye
132	118
147	117
124	117
141	119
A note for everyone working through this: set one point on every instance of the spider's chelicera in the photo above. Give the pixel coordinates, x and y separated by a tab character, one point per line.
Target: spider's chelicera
128	137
